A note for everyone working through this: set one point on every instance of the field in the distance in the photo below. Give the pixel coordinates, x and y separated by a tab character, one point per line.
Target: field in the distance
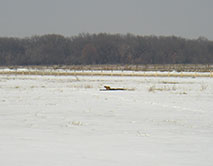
145	67
67	120
173	70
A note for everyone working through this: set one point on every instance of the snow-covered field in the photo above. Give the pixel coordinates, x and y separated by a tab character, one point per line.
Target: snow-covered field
67	120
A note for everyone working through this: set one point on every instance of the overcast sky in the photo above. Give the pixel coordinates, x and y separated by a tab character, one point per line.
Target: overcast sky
184	18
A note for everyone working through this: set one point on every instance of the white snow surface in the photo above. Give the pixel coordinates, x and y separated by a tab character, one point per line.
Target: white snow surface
65	121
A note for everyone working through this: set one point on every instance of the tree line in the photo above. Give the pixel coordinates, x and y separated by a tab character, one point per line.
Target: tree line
104	48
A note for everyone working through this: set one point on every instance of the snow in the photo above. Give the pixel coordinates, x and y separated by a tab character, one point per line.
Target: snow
67	120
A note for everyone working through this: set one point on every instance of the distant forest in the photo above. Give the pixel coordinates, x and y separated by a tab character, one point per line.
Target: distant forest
104	48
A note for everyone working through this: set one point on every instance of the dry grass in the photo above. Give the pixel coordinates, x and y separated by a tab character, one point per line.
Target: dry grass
94	73
203	87
153	88
96	70
146	67
81	86
169	82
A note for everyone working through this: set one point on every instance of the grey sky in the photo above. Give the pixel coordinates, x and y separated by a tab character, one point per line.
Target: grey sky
185	18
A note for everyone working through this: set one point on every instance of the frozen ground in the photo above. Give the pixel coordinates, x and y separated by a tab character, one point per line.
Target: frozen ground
64	121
